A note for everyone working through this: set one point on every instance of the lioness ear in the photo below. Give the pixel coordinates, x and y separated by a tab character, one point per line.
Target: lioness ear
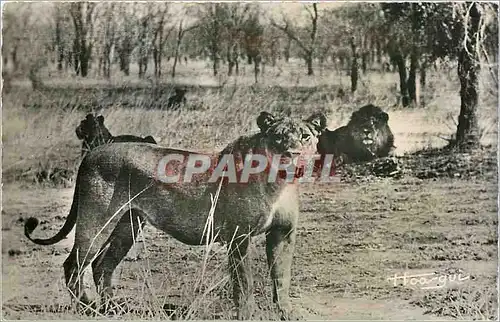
318	120
89	116
265	120
100	119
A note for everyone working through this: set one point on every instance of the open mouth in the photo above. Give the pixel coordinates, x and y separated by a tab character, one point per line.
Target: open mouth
367	141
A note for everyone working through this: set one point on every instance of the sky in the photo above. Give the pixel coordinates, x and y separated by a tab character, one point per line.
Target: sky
291	9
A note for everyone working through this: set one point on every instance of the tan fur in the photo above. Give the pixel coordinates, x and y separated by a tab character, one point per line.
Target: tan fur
112	175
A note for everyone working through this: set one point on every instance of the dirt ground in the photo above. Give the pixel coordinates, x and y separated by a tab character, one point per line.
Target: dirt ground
352	238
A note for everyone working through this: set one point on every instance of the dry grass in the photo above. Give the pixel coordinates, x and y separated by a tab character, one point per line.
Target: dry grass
38	128
38	135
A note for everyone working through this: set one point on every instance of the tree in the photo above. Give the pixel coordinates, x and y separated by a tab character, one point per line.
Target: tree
17	19
235	16
253	38
61	22
159	36
82	15
354	66
211	31
144	39
468	69
424	32
180	34
308	46
125	35
106	37
26	41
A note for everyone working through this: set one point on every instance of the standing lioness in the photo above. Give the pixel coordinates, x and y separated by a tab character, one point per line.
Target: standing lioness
118	185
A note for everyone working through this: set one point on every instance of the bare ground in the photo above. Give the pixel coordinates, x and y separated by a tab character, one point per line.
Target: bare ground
351	239
352	236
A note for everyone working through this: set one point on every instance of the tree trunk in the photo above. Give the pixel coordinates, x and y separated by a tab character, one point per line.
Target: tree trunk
76	54
159	62
176	58
215	59
423	75
141	71
177	48
107	61
468	70
287	50
341	64
236	63
13	56
256	66
124	56
230	63
309	62
101	67
379	51
60	47
215	65
354	76
354	67
159	56
157	48
412	78
423	80
84	59
274	55
155	61
403	87
364	57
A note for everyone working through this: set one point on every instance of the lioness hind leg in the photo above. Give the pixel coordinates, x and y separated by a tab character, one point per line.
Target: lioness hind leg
241	279
74	267
120	242
74	277
89	241
280	244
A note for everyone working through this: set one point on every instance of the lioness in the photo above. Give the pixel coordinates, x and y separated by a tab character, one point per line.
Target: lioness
118	185
367	136
93	132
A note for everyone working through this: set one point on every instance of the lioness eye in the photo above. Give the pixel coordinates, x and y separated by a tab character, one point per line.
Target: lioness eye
306	136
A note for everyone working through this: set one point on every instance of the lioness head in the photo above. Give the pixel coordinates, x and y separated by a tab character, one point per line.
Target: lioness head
92	131
284	135
91	126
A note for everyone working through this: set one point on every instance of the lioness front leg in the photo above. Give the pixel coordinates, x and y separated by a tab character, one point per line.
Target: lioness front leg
240	277
280	245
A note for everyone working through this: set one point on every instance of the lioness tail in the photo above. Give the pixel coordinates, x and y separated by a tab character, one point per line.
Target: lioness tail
32	223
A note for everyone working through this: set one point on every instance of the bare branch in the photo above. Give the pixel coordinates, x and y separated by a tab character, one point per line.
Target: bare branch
290	35
309	10
191	28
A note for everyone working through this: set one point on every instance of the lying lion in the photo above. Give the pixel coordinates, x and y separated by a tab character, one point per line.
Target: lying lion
367	136
93	132
118	186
